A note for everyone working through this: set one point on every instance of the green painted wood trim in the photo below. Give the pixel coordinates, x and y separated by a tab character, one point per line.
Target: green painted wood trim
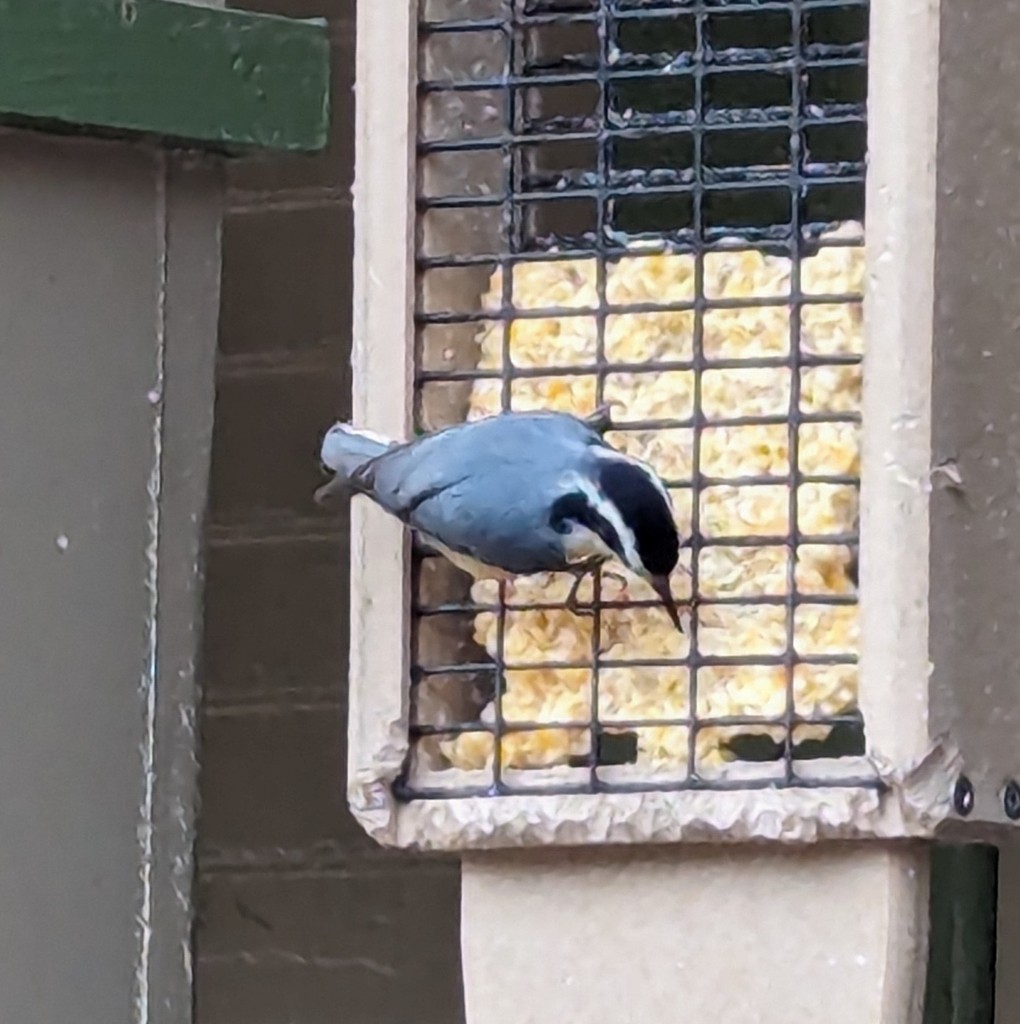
198	76
962	945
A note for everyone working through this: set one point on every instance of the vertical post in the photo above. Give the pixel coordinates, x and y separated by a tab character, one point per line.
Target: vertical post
1007	959
109	269
961	962
770	935
190	297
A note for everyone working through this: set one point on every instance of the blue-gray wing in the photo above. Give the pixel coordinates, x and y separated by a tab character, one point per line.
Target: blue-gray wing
485	488
514	535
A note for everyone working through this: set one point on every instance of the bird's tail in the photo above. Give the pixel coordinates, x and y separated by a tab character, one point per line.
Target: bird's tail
346	450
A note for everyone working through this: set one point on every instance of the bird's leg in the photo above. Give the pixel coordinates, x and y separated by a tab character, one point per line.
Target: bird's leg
331	489
601	419
608	574
571	603
580	571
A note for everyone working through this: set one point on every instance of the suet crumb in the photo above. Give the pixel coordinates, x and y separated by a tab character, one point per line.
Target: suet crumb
756	325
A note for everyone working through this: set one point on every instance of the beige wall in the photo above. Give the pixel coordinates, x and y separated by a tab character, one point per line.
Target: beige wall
302	920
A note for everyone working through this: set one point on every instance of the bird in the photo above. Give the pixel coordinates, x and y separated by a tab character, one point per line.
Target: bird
515	494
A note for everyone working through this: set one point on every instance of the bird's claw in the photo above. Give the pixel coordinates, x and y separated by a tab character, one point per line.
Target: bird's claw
601	419
572	604
326	492
608	574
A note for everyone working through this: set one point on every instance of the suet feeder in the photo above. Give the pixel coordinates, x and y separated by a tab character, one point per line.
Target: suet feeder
662	207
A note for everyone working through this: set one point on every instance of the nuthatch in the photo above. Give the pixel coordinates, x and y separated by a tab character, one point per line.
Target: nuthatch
516	494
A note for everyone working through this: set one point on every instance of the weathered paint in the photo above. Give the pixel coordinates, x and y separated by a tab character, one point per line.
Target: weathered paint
193	75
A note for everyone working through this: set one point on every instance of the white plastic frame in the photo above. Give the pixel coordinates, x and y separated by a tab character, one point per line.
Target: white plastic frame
918	762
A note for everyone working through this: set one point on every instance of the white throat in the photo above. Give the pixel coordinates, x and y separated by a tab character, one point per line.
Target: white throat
589	544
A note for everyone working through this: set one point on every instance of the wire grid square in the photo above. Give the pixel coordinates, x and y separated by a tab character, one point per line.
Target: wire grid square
592	172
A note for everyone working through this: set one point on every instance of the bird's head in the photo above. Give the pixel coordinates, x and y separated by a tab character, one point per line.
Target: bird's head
622	509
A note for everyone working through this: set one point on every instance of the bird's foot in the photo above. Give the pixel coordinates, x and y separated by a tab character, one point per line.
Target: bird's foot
329	491
609	574
572	604
601	419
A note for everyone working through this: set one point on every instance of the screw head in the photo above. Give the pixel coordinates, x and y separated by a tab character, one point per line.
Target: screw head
963	796
1011	800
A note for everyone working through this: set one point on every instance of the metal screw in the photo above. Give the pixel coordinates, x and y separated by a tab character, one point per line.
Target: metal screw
1011	800
963	796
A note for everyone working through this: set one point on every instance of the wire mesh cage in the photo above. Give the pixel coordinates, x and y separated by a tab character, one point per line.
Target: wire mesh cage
656	207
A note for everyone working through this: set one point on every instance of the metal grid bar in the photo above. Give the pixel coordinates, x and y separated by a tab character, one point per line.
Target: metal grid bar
565	312
577	129
647	10
727	721
769	180
793	436
524	198
696	542
604	198
511	214
473	608
770	239
763	63
524	372
698	661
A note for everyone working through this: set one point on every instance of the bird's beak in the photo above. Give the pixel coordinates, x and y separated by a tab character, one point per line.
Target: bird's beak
660	584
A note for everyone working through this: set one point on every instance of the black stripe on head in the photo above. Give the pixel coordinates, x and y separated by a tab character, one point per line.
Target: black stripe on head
645	511
575	508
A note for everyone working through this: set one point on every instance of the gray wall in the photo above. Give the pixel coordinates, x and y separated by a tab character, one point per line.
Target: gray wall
109	280
302	920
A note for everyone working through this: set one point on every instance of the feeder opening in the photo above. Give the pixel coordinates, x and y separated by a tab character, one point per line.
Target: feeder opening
657	206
